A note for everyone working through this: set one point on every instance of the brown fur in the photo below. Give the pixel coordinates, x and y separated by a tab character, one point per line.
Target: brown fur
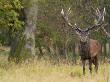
90	51
95	47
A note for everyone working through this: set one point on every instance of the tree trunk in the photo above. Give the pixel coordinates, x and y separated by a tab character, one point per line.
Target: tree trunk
23	47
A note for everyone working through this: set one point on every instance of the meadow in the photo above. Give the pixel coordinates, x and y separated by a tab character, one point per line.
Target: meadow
44	71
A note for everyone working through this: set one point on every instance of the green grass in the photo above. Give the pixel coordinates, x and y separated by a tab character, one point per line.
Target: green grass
43	71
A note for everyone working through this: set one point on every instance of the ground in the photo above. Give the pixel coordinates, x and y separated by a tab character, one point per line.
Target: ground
44	71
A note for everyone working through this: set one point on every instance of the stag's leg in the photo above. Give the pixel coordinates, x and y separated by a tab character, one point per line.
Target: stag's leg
90	65
96	63
83	63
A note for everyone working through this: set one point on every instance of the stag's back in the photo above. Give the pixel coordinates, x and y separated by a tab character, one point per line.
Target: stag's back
95	47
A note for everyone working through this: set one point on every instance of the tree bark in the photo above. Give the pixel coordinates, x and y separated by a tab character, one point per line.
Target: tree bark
23	47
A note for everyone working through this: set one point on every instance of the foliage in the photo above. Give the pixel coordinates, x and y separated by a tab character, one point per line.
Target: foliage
50	23
9	18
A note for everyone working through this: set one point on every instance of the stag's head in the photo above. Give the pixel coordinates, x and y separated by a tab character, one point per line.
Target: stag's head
84	33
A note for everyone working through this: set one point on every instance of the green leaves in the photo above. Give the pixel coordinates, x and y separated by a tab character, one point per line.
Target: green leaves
10	22
9	15
17	4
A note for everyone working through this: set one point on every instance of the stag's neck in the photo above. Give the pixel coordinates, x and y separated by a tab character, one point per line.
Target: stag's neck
85	49
85	43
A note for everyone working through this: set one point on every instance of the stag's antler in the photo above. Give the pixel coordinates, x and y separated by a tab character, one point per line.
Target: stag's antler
100	16
65	17
104	30
99	19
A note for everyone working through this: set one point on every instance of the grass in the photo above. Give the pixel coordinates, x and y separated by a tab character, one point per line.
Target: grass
43	71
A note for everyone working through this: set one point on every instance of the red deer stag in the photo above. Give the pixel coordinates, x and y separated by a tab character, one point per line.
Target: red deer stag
89	48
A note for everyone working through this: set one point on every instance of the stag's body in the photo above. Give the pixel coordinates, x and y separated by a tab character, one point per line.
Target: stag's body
89	50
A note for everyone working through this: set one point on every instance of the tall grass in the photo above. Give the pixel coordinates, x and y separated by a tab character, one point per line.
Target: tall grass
44	71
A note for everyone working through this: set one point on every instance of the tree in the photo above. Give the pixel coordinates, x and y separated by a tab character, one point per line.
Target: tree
23	44
9	21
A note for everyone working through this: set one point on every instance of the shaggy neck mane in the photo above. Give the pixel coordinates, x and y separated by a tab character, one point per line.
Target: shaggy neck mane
85	50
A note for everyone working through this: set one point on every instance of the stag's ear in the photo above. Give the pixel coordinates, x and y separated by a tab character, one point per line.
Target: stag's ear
78	31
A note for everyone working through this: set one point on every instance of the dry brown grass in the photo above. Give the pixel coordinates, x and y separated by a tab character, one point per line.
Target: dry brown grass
43	71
